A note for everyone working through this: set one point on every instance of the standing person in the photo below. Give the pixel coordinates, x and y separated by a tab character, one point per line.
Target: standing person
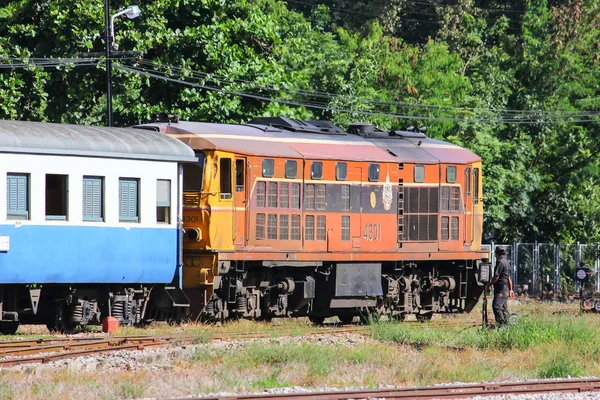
503	288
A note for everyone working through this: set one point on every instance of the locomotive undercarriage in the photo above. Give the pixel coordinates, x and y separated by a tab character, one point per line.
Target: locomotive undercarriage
64	308
263	291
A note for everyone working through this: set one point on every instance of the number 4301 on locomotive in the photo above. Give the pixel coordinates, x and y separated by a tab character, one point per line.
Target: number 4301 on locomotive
301	218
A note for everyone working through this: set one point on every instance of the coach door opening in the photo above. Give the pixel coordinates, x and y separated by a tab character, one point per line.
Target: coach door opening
241	203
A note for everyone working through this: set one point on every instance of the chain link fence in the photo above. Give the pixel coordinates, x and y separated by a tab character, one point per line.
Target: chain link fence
546	271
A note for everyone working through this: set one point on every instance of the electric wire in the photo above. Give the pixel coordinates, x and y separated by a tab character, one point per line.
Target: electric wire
180	80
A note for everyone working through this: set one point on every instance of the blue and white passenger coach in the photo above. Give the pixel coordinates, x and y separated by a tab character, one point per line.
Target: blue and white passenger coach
90	226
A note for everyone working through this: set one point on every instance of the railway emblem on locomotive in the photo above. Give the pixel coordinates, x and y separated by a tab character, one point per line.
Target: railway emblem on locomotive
373	200
387	194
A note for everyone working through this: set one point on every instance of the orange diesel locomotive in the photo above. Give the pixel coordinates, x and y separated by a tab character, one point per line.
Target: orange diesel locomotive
300	218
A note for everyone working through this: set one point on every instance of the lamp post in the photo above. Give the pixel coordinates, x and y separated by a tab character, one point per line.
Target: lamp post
131	12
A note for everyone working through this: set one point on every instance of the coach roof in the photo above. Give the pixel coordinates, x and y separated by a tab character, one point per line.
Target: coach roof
90	141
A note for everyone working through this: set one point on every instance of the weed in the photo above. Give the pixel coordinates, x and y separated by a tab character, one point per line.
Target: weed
272	380
560	366
132	390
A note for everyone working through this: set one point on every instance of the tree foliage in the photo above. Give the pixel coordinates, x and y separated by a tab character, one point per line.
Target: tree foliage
459	65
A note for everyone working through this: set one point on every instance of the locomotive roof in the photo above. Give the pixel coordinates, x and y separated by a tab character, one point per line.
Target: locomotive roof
270	141
93	141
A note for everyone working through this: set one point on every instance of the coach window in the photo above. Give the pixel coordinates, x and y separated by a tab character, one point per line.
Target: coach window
17	196
373	172
239	175
316	170
419	173
193	174
92	198
163	201
476	185
129	200
341	171
268	167
56	197
450	174
291	169
225	174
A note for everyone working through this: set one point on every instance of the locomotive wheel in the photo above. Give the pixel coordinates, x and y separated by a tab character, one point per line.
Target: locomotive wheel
424	317
346	319
317	320
8	327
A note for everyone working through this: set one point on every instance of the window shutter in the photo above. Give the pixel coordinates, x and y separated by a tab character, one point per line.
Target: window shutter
97	198
163	193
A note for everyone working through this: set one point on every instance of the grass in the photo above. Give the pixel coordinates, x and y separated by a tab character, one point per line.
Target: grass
541	345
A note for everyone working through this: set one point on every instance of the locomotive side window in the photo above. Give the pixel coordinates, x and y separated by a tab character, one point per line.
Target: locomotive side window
92	198
239	175
373	172
56	197
346	197
295	195
268	167
272	227
345	228
309	201
261	196
284	227
260	226
419	173
321	227
163	201
291	169
129	200
450	174
321	197
316	170
17	196
476	185
272	199
467	183
193	174
341	171
225	175
309	228
445	229
295	230
284	194
454	228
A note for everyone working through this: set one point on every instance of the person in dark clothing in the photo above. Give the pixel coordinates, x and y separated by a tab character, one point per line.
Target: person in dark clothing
503	288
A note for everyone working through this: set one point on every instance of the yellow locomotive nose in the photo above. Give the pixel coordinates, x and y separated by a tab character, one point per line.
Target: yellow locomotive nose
193	234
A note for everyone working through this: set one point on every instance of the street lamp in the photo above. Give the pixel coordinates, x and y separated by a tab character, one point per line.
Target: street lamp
131	12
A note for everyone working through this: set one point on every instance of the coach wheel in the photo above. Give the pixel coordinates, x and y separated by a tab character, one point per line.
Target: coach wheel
8	327
424	317
346	318
317	320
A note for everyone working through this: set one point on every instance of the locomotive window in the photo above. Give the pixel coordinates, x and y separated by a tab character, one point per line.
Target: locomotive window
261	196
321	227
345	228
373	172
92	198
272	195
284	227
295	195
309	201
56	197
309	228
225	177
295	229
341	171
321	197
260	226
316	170
268	166
476	185
291	169
346	197
193	174
239	175
445	229
17	196
454	229
284	194
272	227
163	201
467	183
450	174
129	200
419	173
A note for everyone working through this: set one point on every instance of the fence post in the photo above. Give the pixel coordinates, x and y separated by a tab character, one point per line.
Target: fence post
556	271
597	268
515	259
577	261
493	257
536	269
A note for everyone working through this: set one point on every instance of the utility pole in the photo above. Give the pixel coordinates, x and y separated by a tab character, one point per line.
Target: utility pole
108	64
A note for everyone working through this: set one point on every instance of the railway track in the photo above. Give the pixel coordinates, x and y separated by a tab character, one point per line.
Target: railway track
434	392
45	350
